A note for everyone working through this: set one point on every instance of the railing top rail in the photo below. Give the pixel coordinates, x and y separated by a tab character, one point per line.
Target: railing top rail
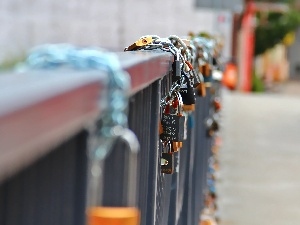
41	109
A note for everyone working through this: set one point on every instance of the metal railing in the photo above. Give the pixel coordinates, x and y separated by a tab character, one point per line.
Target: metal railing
43	146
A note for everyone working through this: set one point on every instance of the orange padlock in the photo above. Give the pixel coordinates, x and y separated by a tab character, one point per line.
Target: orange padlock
160	128
188	108
176	146
100	212
205	69
113	216
217	104
201	89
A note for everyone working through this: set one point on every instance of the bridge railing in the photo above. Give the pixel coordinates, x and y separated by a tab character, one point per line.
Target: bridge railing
43	146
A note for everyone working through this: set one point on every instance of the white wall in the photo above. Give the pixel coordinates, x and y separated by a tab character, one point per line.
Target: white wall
108	23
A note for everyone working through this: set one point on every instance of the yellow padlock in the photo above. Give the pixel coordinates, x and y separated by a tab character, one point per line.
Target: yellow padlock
143	41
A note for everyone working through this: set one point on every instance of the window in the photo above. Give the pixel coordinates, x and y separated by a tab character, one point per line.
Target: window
233	5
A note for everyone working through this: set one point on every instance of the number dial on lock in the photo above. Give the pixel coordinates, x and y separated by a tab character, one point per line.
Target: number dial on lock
173	127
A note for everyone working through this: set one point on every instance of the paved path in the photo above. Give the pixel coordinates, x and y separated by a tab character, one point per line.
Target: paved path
259	181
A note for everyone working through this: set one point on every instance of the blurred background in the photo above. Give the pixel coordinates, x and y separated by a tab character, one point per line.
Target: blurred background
261	38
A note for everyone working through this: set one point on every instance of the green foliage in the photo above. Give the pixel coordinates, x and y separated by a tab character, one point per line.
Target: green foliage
204	34
273	27
257	84
277	1
10	63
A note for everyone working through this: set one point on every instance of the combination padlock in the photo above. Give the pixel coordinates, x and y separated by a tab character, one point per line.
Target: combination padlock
172	121
195	78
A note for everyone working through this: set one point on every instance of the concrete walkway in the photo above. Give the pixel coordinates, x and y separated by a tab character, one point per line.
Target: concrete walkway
259	182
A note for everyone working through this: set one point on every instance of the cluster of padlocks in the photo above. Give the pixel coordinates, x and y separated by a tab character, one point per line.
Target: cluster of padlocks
209	214
195	70
195	67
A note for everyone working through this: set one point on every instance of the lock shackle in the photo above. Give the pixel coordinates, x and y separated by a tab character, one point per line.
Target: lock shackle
166	146
178	39
188	54
207	46
130	214
180	102
193	49
201	77
176	52
162	41
153	36
133	146
97	160
192	56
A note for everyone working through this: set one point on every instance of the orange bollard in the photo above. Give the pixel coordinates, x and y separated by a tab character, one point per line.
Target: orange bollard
230	76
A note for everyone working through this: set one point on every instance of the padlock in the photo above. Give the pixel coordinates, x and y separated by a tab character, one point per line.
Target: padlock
100	210
143	41
189	108
195	78
160	128
201	89
173	127
187	91
207	74
168	166
178	42
176	70
176	146
198	82
113	215
173	121
215	61
176	66
205	70
212	126
217	104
